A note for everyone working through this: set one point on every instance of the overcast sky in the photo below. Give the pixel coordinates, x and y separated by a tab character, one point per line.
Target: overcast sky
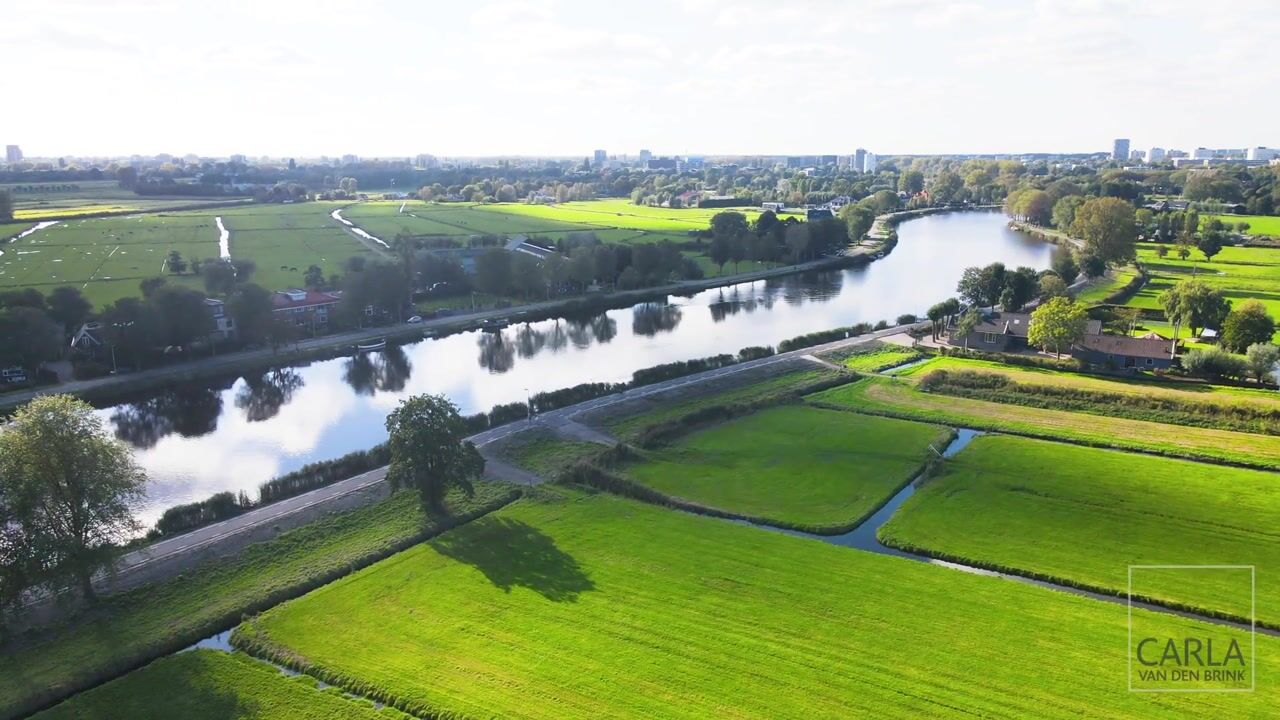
553	77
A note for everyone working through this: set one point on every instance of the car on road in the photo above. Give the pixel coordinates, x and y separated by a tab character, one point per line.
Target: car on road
414	320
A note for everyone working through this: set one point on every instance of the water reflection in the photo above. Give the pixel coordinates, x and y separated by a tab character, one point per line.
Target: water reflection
189	412
374	372
262	395
649	319
497	353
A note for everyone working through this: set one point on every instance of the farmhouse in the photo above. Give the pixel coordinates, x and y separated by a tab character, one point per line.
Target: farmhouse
1119	352
1006	332
306	308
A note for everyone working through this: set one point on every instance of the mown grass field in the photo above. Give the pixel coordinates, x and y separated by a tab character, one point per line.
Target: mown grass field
213	685
668	406
155	619
12	229
1146	386
1104	287
876	357
90	196
107	257
1084	515
899	398
1258	224
587	605
541	452
794	466
1240	273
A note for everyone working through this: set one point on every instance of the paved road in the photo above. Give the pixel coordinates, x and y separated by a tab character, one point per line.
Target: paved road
273	513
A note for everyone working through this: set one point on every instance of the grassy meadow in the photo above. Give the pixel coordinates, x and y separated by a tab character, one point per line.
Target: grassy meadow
1102	288
1084	515
89	197
1240	273
587	605
1258	224
543	453
875	357
213	685
899	398
134	626
792	465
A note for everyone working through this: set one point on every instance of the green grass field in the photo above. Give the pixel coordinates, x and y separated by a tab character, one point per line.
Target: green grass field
1240	273
899	398
656	409
1085	515
876	357
541	452
155	619
588	605
795	466
107	257
1150	386
1258	224
213	685
12	229
1104	287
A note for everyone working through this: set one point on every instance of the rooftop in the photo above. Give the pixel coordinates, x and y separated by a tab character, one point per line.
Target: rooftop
1142	347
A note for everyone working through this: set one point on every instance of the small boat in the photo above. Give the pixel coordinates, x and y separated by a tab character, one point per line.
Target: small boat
379	344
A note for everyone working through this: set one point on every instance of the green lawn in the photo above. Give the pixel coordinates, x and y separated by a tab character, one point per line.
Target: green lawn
899	398
588	605
1240	273
215	685
90	196
1258	224
660	408
541	452
1085	515
107	257
1101	288
795	466
12	229
876	357
1141	385
156	619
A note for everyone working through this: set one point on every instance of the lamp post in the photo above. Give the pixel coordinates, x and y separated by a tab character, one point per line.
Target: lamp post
528	400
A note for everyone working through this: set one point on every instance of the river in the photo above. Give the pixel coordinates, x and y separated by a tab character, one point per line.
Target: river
203	438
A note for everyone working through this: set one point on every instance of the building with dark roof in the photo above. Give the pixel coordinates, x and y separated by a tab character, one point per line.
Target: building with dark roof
1117	352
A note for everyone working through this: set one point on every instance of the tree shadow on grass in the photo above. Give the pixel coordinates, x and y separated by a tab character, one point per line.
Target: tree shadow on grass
511	553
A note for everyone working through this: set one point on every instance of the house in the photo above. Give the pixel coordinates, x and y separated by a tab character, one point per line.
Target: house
89	339
1120	352
224	326
310	309
1006	332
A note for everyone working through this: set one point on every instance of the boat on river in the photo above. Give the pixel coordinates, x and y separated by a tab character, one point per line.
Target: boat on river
379	344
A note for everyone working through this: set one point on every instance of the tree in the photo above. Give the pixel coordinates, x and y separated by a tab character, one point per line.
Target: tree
68	306
1214	363
911	182
729	224
494	271
28	337
251	309
982	286
720	251
1051	286
429	450
1248	324
1065	265
858	219
181	315
1057	323
219	277
1184	246
6	205
1064	212
936	313
176	264
73	486
1262	359
313	278
1092	265
1194	304
1107	227
1210	243
967	323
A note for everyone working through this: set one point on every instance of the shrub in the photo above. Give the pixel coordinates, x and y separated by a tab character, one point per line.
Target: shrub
1214	363
181	518
754	352
882	325
907	319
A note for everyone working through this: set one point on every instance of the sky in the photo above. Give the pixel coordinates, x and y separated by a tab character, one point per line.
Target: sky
557	77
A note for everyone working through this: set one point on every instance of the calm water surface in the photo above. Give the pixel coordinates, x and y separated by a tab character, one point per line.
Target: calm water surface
204	439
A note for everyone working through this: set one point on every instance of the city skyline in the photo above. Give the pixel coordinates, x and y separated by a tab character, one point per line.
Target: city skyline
684	77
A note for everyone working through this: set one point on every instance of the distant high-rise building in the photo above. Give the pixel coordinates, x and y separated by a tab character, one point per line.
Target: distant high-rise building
859	159
427	162
645	157
350	159
1261	154
1120	149
1175	154
1201	153
869	163
600	157
1155	155
12	153
1135	155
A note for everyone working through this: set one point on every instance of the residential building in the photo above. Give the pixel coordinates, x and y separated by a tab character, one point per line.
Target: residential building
825	160
1006	332
311	309
1155	155
661	164
599	158
1175	154
1120	149
1118	352
645	157
224	326
426	162
859	159
1201	153
12	154
869	163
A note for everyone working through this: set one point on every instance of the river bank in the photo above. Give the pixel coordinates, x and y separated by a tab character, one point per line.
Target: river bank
112	387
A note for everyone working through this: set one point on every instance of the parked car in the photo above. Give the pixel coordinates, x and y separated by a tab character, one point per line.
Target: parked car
13	376
414	320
